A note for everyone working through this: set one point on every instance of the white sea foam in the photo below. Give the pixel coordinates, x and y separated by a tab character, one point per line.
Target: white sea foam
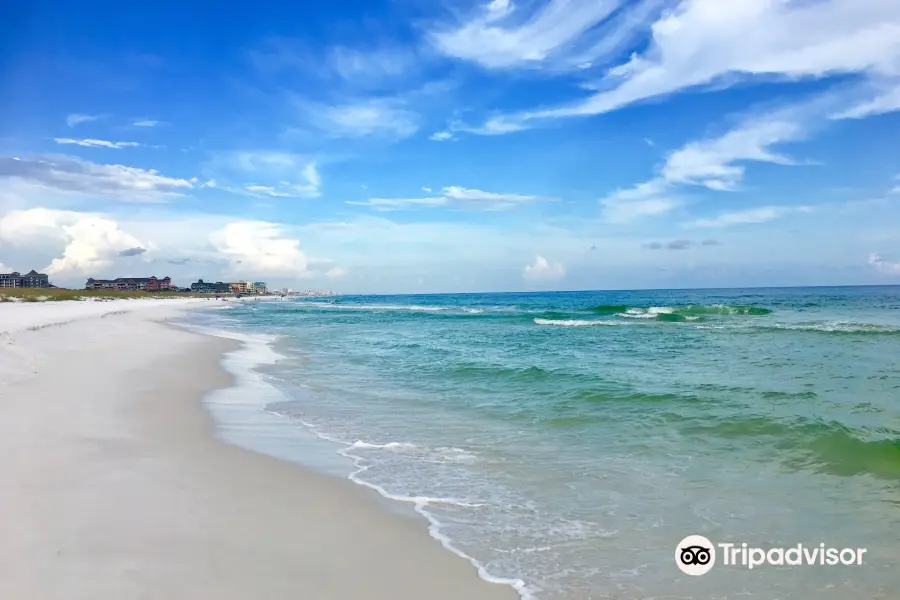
252	392
574	322
388	446
378	307
646	313
832	327
435	528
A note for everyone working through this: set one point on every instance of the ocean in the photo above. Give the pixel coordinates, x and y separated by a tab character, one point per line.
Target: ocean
566	442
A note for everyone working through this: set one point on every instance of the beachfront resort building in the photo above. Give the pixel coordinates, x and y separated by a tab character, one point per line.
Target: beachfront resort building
245	287
32	279
131	284
207	287
240	287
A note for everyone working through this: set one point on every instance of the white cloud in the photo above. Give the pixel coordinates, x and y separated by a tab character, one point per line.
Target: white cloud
441	136
542	270
89	143
495	126
335	272
274	174
427	190
884	98
147	123
70	174
884	266
371	117
258	247
89	242
561	34
712	163
762	214
648	199
705	42
387	204
76	119
366	66
456	196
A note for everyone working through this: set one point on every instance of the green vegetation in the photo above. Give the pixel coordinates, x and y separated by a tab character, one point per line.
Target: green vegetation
57	294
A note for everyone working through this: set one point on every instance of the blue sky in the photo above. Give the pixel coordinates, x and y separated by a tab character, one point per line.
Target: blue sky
418	146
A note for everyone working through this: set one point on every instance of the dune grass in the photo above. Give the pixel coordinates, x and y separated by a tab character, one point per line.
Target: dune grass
58	294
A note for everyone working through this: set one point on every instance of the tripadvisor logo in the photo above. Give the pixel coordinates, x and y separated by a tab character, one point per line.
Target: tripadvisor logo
696	555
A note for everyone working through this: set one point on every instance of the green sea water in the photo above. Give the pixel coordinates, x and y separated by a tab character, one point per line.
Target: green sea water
566	442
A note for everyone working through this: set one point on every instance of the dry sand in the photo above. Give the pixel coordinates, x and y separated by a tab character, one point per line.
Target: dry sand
114	487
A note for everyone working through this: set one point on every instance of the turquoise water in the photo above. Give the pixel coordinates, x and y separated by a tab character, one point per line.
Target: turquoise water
570	440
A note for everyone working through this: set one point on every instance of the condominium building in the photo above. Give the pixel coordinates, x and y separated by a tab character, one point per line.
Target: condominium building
32	279
131	284
207	287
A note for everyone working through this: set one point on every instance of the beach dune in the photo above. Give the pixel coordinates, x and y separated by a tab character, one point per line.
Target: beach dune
115	488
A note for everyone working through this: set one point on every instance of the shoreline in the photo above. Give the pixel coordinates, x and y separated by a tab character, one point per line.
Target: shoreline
254	426
120	488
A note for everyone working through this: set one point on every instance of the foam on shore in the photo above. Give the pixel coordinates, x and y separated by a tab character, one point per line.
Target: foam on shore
243	417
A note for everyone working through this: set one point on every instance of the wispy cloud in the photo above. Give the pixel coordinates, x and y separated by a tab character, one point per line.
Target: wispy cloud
271	174
882	98
648	199
365	67
147	123
70	174
77	119
698	43
371	117
561	34
884	266
455	196
715	163
762	214
90	143
373	65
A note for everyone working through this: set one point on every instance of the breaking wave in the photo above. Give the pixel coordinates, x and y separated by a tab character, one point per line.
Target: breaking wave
575	322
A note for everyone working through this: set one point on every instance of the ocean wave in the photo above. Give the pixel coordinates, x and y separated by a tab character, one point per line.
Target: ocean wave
423	453
846	327
827	447
608	309
388	446
435	527
574	322
419	503
678	314
389	307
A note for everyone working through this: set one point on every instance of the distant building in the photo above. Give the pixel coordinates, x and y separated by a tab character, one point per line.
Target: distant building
131	284
259	288
240	287
205	287
32	279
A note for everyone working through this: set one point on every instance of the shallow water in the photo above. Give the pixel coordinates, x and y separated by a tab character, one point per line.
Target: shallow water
570	440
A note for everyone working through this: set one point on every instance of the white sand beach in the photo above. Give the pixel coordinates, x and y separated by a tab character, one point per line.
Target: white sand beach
114	487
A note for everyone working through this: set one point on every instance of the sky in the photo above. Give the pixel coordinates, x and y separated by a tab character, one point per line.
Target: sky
417	146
